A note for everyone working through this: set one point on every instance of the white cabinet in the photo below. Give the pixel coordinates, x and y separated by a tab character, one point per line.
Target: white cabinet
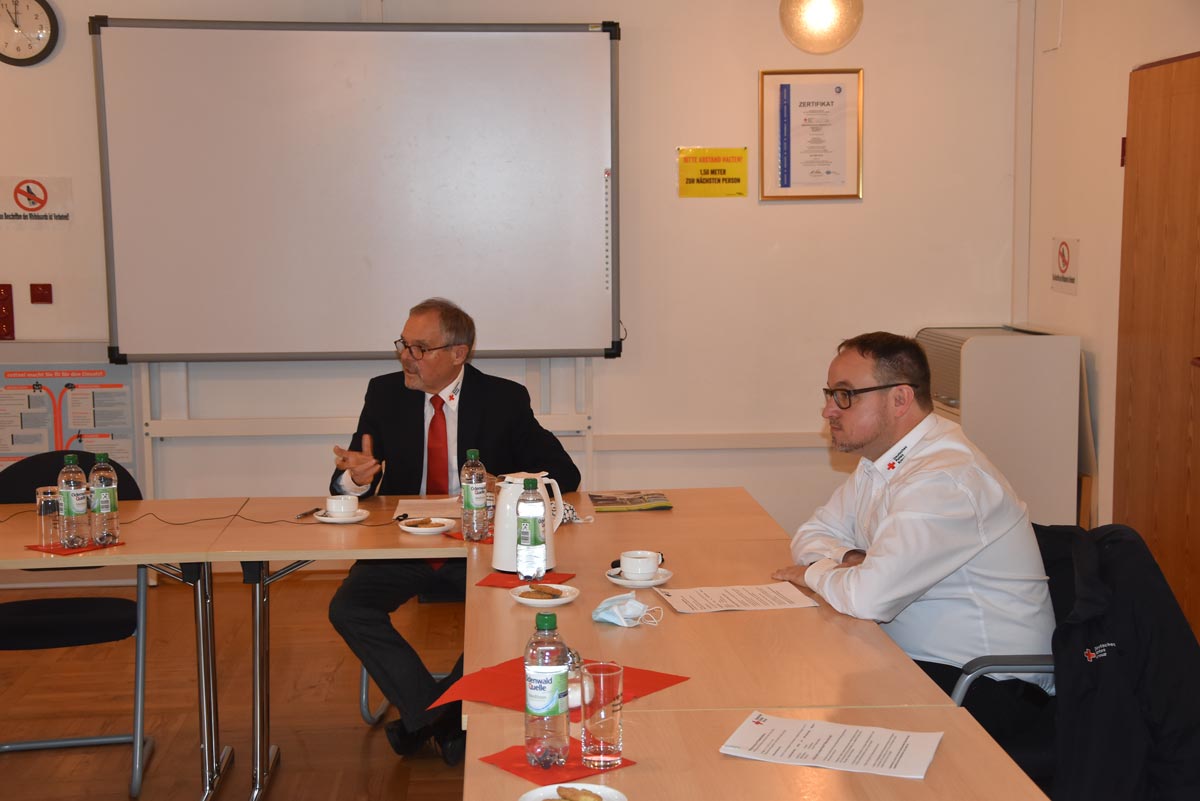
1016	395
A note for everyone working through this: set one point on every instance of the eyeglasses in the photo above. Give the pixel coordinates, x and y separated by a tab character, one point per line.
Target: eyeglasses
418	351
843	397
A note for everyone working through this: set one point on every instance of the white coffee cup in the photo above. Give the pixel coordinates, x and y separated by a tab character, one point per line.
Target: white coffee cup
341	505
640	565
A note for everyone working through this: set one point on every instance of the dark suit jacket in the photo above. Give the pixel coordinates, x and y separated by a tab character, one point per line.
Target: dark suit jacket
494	416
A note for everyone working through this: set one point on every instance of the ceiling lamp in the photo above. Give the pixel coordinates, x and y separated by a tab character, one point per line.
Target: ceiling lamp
820	26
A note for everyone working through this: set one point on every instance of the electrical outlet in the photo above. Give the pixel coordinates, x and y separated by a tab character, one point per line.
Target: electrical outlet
7	329
41	293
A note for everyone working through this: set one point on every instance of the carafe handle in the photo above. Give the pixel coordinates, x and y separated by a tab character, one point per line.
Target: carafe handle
558	503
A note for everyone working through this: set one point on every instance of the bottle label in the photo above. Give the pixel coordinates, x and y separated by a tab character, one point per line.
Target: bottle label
74	502
546	690
474	496
104	500
529	531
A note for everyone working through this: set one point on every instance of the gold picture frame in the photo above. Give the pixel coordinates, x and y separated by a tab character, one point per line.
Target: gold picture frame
810	134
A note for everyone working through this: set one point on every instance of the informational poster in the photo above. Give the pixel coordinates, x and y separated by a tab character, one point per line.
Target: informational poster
712	171
67	407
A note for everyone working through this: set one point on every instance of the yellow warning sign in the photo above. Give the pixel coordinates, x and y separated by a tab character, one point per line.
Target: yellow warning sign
712	171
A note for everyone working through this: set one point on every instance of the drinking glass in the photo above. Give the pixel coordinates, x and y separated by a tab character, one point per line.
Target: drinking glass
603	692
47	514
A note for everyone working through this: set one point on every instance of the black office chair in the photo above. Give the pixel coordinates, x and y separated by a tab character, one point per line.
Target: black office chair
69	622
19	481
1126	718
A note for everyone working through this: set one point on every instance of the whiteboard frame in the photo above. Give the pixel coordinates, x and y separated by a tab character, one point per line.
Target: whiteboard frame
609	350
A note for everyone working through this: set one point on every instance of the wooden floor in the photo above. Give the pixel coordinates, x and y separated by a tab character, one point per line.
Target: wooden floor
327	751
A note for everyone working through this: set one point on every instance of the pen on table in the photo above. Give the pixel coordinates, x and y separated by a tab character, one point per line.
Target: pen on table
311	511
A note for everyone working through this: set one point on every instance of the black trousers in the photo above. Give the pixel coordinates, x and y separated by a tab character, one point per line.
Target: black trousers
1004	708
360	610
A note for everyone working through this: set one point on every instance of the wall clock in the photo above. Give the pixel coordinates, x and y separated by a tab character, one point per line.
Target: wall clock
28	31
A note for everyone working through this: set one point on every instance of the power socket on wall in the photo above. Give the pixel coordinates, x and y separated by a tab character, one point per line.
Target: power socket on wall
7	329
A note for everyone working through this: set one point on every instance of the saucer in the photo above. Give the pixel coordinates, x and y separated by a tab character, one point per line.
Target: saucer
661	577
568	594
358	516
444	525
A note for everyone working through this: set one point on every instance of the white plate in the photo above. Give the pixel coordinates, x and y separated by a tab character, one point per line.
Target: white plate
661	577
445	525
550	791
358	516
568	594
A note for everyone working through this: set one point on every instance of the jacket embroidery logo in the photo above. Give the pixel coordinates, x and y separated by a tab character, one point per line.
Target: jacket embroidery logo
1098	651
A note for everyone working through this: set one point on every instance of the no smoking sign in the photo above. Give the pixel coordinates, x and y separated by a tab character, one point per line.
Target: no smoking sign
1064	277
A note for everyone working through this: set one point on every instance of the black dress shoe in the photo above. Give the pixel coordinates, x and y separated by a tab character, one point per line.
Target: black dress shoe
452	745
403	741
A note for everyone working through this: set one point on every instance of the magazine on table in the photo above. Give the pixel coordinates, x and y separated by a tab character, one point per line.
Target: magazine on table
632	501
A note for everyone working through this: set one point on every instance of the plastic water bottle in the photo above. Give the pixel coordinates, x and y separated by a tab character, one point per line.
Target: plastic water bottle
531	532
547	737
106	527
74	530
473	478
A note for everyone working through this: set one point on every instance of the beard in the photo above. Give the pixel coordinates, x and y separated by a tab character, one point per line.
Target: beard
844	442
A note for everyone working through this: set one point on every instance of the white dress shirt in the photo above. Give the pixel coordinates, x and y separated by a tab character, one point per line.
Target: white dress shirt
952	570
452	394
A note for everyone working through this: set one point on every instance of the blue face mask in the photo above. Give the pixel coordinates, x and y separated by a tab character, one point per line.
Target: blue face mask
626	610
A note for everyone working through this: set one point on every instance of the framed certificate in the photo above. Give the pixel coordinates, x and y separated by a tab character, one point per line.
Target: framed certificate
810	134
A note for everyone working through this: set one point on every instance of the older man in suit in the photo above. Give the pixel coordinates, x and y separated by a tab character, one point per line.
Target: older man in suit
413	434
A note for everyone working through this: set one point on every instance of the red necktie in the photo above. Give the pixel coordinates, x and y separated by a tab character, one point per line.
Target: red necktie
438	469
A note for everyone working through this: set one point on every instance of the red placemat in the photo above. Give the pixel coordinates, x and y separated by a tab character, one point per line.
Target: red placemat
513	760
504	685
59	550
457	534
509	580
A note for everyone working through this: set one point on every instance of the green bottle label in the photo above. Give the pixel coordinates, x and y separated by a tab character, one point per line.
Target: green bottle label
474	496
74	502
104	500
546	690
529	531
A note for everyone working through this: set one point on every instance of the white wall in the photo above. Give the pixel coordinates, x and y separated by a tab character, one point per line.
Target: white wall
733	306
1080	102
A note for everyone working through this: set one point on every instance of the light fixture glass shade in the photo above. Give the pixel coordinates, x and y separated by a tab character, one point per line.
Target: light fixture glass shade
820	26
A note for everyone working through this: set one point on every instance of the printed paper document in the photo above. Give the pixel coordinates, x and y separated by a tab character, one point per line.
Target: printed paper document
747	597
820	744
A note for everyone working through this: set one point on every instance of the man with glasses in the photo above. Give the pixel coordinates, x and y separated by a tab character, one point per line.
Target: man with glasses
926	537
413	434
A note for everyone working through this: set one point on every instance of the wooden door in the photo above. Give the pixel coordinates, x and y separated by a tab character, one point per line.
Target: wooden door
1157	456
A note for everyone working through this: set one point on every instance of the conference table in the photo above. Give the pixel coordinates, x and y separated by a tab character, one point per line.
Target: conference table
181	539
812	663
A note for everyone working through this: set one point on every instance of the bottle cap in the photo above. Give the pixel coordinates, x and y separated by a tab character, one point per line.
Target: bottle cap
472	455
531	483
546	620
101	457
71	458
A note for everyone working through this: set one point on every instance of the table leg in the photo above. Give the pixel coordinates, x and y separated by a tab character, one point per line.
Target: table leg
266	756
215	761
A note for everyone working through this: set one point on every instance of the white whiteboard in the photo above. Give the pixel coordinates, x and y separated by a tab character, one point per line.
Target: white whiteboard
280	191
